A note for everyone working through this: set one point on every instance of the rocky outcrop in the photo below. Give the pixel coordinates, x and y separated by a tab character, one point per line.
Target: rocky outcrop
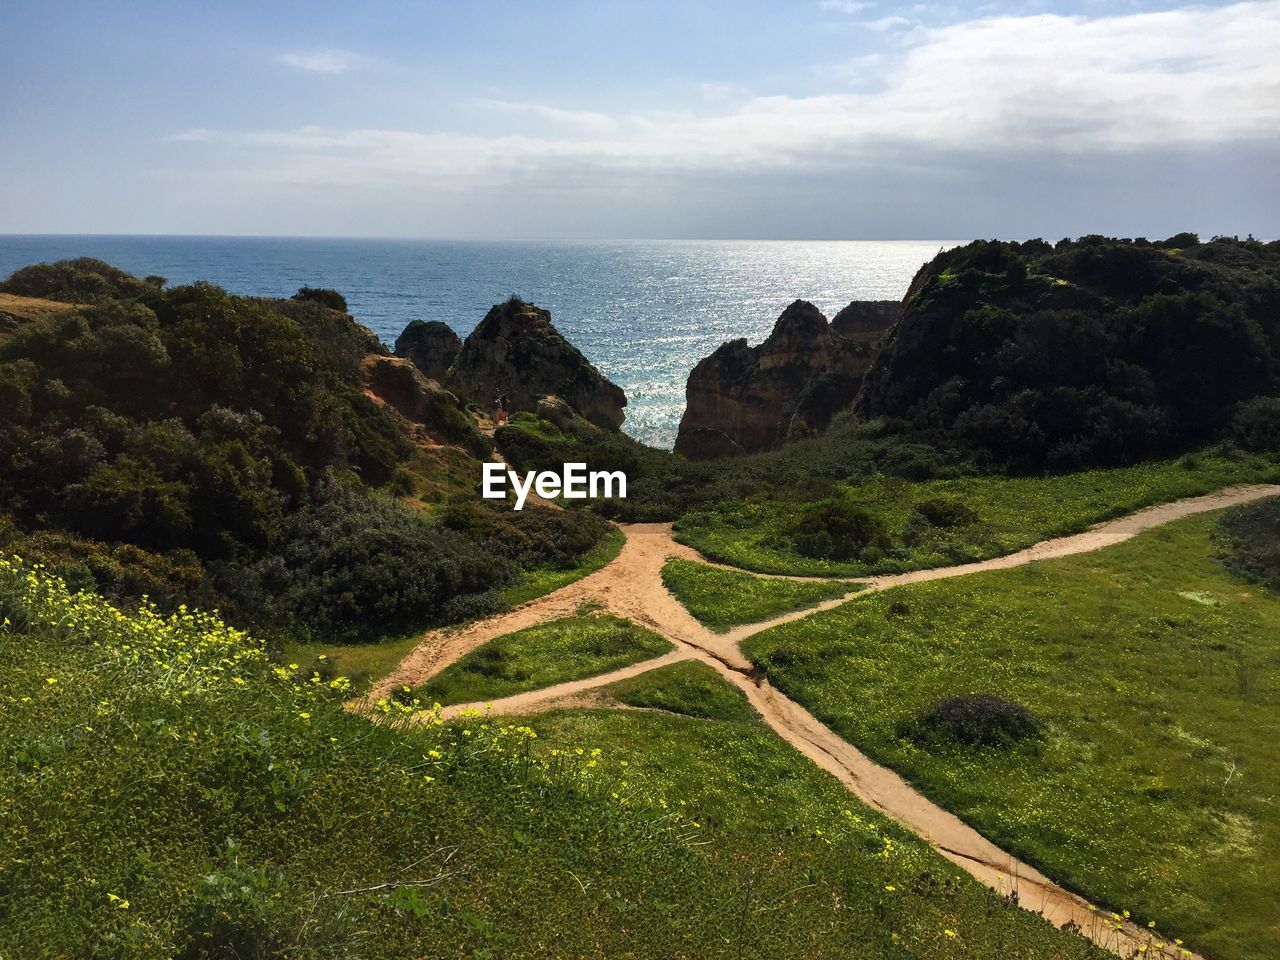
555	411
431	345
744	399
866	321
433	413
516	352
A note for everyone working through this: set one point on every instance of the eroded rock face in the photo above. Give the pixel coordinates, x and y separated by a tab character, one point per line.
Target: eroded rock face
866	321
744	399
516	352
429	408
431	345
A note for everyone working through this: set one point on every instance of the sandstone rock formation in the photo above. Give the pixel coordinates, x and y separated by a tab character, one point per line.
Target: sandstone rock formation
515	351
433	413
866	320
745	399
431	345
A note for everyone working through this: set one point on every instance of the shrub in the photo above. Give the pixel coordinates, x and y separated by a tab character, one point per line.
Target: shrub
534	536
82	280
837	530
356	567
1256	424
946	512
1251	541
323	296
976	720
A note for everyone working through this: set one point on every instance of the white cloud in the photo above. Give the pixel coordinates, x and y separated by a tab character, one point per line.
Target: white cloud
321	61
721	92
888	23
1005	86
582	119
845	6
194	135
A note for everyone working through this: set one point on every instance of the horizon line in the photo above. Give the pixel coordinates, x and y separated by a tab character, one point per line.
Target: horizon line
488	239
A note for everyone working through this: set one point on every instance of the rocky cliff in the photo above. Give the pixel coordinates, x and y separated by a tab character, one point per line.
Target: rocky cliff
866	320
515	351
745	399
431	345
431	412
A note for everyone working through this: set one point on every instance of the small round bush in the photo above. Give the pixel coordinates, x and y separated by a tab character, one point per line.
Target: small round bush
837	530
976	720
323	296
946	512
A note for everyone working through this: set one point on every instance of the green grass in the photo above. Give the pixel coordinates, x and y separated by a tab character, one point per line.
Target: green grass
689	688
540	656
1013	513
362	663
722	599
830	882
155	807
1155	675
538	583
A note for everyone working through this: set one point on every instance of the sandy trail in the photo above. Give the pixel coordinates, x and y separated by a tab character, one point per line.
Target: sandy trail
631	586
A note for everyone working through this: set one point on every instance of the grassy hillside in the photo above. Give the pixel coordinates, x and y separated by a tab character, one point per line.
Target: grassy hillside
168	793
889	524
1152	680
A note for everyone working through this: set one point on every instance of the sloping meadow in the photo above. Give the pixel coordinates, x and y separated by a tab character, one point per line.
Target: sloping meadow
169	791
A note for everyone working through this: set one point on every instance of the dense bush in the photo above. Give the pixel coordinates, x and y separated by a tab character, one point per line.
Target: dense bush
1256	425
945	512
323	296
1251	541
976	720
352	566
119	571
837	530
1094	352
196	421
535	536
83	280
196	446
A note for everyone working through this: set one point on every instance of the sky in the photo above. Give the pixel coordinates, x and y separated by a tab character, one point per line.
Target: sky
807	119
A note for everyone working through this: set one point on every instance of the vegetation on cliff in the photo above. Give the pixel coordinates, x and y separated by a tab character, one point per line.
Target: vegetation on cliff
1093	352
233	452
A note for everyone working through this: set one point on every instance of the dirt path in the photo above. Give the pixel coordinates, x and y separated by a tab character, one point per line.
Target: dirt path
631	586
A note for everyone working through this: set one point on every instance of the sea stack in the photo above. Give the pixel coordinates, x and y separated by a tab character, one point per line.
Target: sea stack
516	352
431	345
744	399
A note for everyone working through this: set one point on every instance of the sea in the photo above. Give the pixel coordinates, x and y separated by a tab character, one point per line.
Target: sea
644	312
